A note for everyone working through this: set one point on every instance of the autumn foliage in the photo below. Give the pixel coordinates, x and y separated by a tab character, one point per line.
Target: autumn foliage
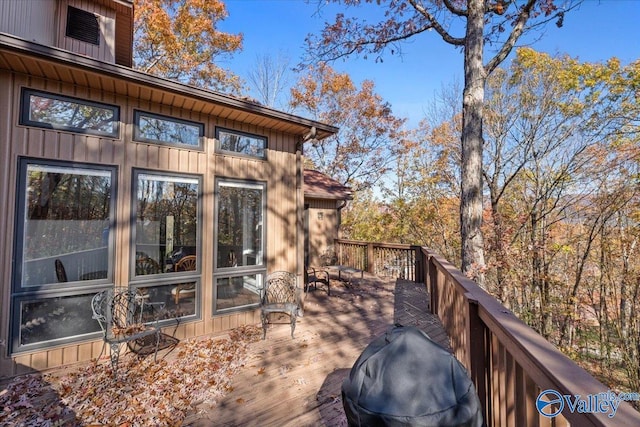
364	148
179	40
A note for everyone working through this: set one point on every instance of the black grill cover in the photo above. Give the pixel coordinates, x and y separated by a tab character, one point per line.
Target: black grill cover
403	378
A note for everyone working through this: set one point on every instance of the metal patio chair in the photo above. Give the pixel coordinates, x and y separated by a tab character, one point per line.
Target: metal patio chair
120	315
313	276
281	295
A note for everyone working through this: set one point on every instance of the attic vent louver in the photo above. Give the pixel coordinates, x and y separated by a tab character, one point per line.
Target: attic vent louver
83	26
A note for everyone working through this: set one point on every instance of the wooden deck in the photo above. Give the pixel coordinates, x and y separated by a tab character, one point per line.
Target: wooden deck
296	382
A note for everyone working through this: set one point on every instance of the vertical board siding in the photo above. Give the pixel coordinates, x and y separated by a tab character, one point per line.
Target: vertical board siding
30	20
107	20
278	171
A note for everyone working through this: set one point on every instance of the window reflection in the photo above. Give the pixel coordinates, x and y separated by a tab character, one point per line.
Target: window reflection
170	301
155	128
166	223
238	291
66	224
251	145
60	112
52	319
240	207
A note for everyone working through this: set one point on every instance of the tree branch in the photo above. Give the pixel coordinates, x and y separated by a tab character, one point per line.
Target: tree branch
453	9
516	32
433	23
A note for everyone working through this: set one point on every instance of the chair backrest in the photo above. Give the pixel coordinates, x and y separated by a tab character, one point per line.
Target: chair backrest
280	287
61	273
187	263
114	309
146	265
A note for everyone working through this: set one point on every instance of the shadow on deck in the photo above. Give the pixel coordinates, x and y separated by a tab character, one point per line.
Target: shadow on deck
297	382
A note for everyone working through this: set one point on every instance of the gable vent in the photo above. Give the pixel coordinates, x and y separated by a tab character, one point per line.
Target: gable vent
83	26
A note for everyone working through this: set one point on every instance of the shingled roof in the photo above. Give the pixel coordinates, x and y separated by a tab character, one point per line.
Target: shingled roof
320	186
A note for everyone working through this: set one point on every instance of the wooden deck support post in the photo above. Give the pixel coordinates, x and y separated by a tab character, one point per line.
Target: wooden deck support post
369	262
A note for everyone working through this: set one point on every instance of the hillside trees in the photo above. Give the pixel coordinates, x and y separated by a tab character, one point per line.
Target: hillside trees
562	169
178	39
369	137
500	24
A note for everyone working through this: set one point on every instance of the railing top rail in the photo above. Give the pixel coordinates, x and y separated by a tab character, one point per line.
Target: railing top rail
375	244
543	362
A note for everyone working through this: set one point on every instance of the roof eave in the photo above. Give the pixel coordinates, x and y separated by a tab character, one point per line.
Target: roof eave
9	43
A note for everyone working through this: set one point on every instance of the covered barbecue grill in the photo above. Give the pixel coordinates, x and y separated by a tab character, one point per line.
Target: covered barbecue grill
403	378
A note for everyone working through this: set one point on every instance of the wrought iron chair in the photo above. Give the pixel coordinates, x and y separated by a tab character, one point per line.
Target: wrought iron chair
314	276
146	265
281	295
184	290
120	315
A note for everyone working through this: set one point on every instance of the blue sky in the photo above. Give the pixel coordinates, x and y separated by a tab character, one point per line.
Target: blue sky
599	30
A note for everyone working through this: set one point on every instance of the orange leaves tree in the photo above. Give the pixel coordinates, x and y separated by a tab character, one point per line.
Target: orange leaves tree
498	24
365	147
178	39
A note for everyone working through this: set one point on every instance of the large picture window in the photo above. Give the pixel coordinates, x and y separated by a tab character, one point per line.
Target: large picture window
63	250
66	212
241	143
155	128
240	231
53	111
167	230
240	240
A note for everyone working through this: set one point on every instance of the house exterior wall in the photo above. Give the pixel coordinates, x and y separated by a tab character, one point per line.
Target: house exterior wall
32	20
323	224
277	172
105	51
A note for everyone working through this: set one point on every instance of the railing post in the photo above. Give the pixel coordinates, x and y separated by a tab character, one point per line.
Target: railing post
478	349
370	261
418	269
432	275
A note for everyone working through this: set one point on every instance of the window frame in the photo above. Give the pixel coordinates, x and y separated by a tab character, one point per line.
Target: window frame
174	277
133	277
20	213
25	113
221	150
16	315
222	272
138	138
23	294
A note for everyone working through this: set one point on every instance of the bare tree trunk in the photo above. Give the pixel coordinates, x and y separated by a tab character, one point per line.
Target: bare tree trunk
472	253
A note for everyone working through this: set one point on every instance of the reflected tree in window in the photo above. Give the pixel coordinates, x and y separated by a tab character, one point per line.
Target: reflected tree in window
68	113
154	128
251	145
167	220
67	217
240	214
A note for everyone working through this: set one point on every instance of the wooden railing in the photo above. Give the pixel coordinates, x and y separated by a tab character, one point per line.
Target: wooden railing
510	364
381	259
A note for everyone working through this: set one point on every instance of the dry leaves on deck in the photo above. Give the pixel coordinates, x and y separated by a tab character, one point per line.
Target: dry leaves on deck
146	393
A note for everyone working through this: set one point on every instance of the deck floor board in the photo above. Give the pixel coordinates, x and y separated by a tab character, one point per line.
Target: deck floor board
297	382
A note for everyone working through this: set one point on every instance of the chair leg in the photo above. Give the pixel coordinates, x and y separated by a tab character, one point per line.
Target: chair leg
155	355
115	357
264	325
104	345
293	323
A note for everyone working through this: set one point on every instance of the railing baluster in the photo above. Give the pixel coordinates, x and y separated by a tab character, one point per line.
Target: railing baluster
509	363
